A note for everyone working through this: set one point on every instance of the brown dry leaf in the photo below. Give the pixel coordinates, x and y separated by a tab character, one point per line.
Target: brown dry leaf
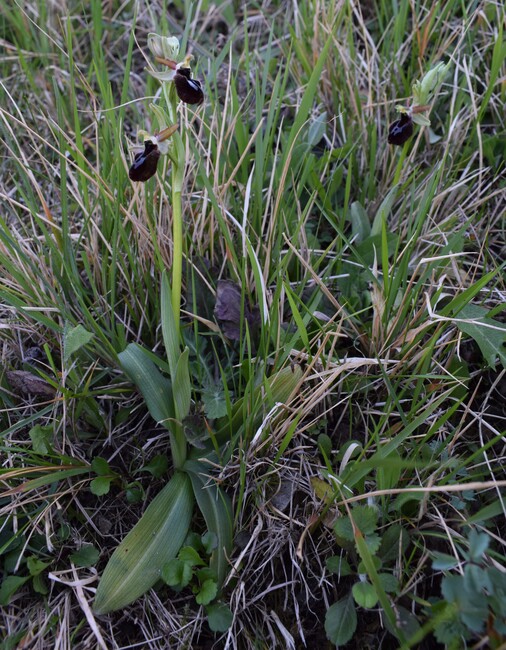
228	310
25	383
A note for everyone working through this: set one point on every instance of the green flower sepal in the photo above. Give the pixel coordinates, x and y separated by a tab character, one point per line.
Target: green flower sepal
424	91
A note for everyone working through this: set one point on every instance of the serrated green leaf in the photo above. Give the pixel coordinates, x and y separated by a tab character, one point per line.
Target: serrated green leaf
177	573
341	621
364	594
155	388
219	616
389	583
74	339
344	529
365	518
36	566
215	403
362	568
394	542
157	466
477	580
136	564
449	626
407	622
41	437
373	542
86	556
339	565
489	334
443	562
100	485
190	556
100	466
207	593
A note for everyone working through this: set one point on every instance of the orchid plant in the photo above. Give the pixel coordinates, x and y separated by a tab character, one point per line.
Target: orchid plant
423	93
154	542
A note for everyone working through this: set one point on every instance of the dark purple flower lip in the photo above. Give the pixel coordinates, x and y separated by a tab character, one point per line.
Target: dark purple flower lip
145	163
401	130
188	90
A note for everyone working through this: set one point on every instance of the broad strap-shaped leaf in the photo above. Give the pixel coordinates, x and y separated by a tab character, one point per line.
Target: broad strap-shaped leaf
135	565
216	509
155	388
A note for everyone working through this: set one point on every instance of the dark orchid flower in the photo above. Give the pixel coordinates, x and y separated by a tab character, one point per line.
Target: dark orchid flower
155	145
188	90
145	163
401	130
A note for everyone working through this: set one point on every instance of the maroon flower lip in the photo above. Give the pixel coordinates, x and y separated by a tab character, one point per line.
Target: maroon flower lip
145	163
401	130
188	90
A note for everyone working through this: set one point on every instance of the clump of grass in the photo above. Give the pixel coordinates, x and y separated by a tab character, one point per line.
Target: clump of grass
378	270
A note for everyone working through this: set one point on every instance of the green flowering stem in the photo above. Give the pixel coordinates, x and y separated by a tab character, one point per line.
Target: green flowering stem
178	165
166	51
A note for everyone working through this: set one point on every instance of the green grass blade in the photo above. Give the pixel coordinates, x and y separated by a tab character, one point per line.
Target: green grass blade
368	561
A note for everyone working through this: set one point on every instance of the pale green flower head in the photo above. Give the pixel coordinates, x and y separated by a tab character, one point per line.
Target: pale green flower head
424	90
166	47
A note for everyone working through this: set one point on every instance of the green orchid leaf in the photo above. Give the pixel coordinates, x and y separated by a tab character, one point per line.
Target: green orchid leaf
216	509
137	562
155	388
